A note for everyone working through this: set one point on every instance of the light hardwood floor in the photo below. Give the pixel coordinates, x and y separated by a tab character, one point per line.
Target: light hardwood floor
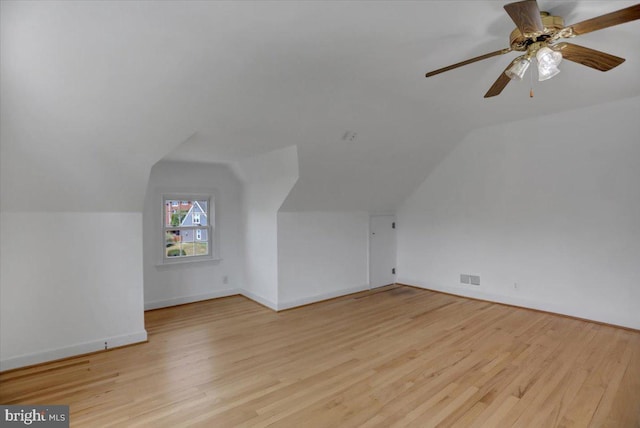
396	356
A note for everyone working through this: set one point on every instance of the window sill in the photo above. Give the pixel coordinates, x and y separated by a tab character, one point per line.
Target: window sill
186	261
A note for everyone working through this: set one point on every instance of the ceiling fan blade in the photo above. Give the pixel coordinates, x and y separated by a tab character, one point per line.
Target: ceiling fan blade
586	56
501	83
621	16
469	61
526	15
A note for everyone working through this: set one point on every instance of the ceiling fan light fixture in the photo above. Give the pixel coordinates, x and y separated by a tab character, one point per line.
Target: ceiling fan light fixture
548	61
537	34
518	69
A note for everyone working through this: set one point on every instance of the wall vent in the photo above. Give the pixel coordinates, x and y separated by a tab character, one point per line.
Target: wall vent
475	280
464	279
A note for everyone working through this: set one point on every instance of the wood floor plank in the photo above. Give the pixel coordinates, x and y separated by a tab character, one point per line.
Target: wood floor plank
394	356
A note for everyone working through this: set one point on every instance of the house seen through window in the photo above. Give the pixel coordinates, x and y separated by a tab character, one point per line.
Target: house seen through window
188	226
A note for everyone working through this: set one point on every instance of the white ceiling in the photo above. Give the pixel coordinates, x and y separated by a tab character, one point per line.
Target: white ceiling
94	93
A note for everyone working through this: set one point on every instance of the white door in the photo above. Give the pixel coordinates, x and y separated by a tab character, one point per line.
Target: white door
382	250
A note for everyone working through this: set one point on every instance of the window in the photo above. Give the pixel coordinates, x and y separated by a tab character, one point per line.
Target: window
187	228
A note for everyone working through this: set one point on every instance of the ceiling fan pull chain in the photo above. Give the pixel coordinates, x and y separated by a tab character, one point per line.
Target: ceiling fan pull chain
531	84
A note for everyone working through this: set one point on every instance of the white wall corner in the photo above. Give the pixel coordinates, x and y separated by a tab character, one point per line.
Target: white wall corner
259	299
320	297
277	163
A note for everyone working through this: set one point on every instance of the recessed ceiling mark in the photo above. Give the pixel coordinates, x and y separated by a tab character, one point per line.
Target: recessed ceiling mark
349	136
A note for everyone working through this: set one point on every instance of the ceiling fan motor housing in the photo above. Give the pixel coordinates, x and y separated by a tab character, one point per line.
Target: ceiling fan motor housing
552	25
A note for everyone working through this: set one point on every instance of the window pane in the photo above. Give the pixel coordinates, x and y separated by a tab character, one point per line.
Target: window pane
202	248
188	247
207	217
203	206
202	242
173	244
175	212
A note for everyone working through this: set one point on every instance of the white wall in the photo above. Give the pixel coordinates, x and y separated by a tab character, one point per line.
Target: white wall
550	204
166	285
268	179
321	255
68	283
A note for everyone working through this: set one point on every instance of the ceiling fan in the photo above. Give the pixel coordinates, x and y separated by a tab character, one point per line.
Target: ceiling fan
538	34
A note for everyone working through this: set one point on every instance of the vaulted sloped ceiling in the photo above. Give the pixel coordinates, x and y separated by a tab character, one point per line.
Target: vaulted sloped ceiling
94	93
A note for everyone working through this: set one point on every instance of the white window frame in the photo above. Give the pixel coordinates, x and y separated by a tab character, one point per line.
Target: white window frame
212	237
199	234
193	217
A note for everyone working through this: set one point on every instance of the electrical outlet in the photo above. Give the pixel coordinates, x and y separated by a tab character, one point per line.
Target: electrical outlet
225	279
475	280
464	279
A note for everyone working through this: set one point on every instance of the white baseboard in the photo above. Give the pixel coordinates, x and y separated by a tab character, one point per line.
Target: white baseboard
259	299
255	297
157	304
73	350
552	307
320	297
